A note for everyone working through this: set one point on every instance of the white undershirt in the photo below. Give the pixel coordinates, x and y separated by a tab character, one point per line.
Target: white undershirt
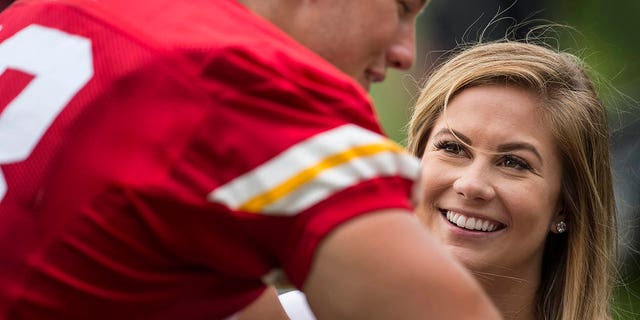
295	304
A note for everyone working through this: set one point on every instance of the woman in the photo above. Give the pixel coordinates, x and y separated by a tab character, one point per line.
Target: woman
514	146
517	184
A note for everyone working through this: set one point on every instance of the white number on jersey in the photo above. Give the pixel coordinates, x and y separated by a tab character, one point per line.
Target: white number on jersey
61	64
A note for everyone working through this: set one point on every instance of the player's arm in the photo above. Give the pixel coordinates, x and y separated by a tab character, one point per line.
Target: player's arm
385	266
266	307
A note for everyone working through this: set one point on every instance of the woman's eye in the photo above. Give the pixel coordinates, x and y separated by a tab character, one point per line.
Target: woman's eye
449	147
515	162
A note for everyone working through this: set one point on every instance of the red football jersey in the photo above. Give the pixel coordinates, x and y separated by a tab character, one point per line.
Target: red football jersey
165	159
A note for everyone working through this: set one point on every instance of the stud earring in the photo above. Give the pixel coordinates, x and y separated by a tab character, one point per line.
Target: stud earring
561	227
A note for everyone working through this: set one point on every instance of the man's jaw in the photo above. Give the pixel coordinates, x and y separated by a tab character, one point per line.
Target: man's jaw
372	76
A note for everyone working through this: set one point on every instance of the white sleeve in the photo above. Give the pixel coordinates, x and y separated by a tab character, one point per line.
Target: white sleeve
296	306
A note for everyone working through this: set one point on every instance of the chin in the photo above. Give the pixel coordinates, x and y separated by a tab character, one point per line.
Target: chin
365	85
470	259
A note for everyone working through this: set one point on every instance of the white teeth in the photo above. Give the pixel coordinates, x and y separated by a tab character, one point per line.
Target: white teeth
462	221
478	225
471	223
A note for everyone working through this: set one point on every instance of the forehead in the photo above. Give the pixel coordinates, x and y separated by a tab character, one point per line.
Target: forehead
508	105
498	112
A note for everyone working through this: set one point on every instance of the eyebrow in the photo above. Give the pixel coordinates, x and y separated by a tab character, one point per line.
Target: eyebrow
501	148
520	146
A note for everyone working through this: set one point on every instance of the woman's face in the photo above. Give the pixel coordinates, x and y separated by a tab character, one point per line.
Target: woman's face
492	205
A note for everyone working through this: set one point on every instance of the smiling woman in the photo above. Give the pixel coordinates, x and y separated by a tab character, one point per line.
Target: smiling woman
514	146
498	168
494	186
517	180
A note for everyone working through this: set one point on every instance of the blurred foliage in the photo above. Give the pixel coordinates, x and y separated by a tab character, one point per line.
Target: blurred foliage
610	37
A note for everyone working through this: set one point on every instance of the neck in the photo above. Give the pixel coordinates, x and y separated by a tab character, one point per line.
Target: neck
515	297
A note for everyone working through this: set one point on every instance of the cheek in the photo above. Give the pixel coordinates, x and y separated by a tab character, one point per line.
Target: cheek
436	178
530	206
429	219
434	184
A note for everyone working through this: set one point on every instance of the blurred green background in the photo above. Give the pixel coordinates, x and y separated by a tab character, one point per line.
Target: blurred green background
606	34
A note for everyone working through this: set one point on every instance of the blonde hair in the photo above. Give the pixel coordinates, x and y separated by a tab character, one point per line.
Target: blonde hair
578	265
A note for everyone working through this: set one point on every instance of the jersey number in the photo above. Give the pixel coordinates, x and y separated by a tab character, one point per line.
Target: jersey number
61	64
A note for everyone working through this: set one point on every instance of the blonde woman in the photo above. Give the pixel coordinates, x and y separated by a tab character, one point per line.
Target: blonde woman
517	184
514	146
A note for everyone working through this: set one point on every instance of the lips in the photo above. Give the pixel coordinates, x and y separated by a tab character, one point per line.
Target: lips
472	223
375	75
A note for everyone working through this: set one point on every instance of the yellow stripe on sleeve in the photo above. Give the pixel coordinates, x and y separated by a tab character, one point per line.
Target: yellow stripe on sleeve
257	203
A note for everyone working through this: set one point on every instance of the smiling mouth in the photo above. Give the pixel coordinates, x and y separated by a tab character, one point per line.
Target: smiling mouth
471	223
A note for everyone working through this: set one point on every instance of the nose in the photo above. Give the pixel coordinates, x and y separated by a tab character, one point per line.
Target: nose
401	54
474	184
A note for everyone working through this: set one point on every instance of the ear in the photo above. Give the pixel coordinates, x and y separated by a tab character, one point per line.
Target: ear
558	216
